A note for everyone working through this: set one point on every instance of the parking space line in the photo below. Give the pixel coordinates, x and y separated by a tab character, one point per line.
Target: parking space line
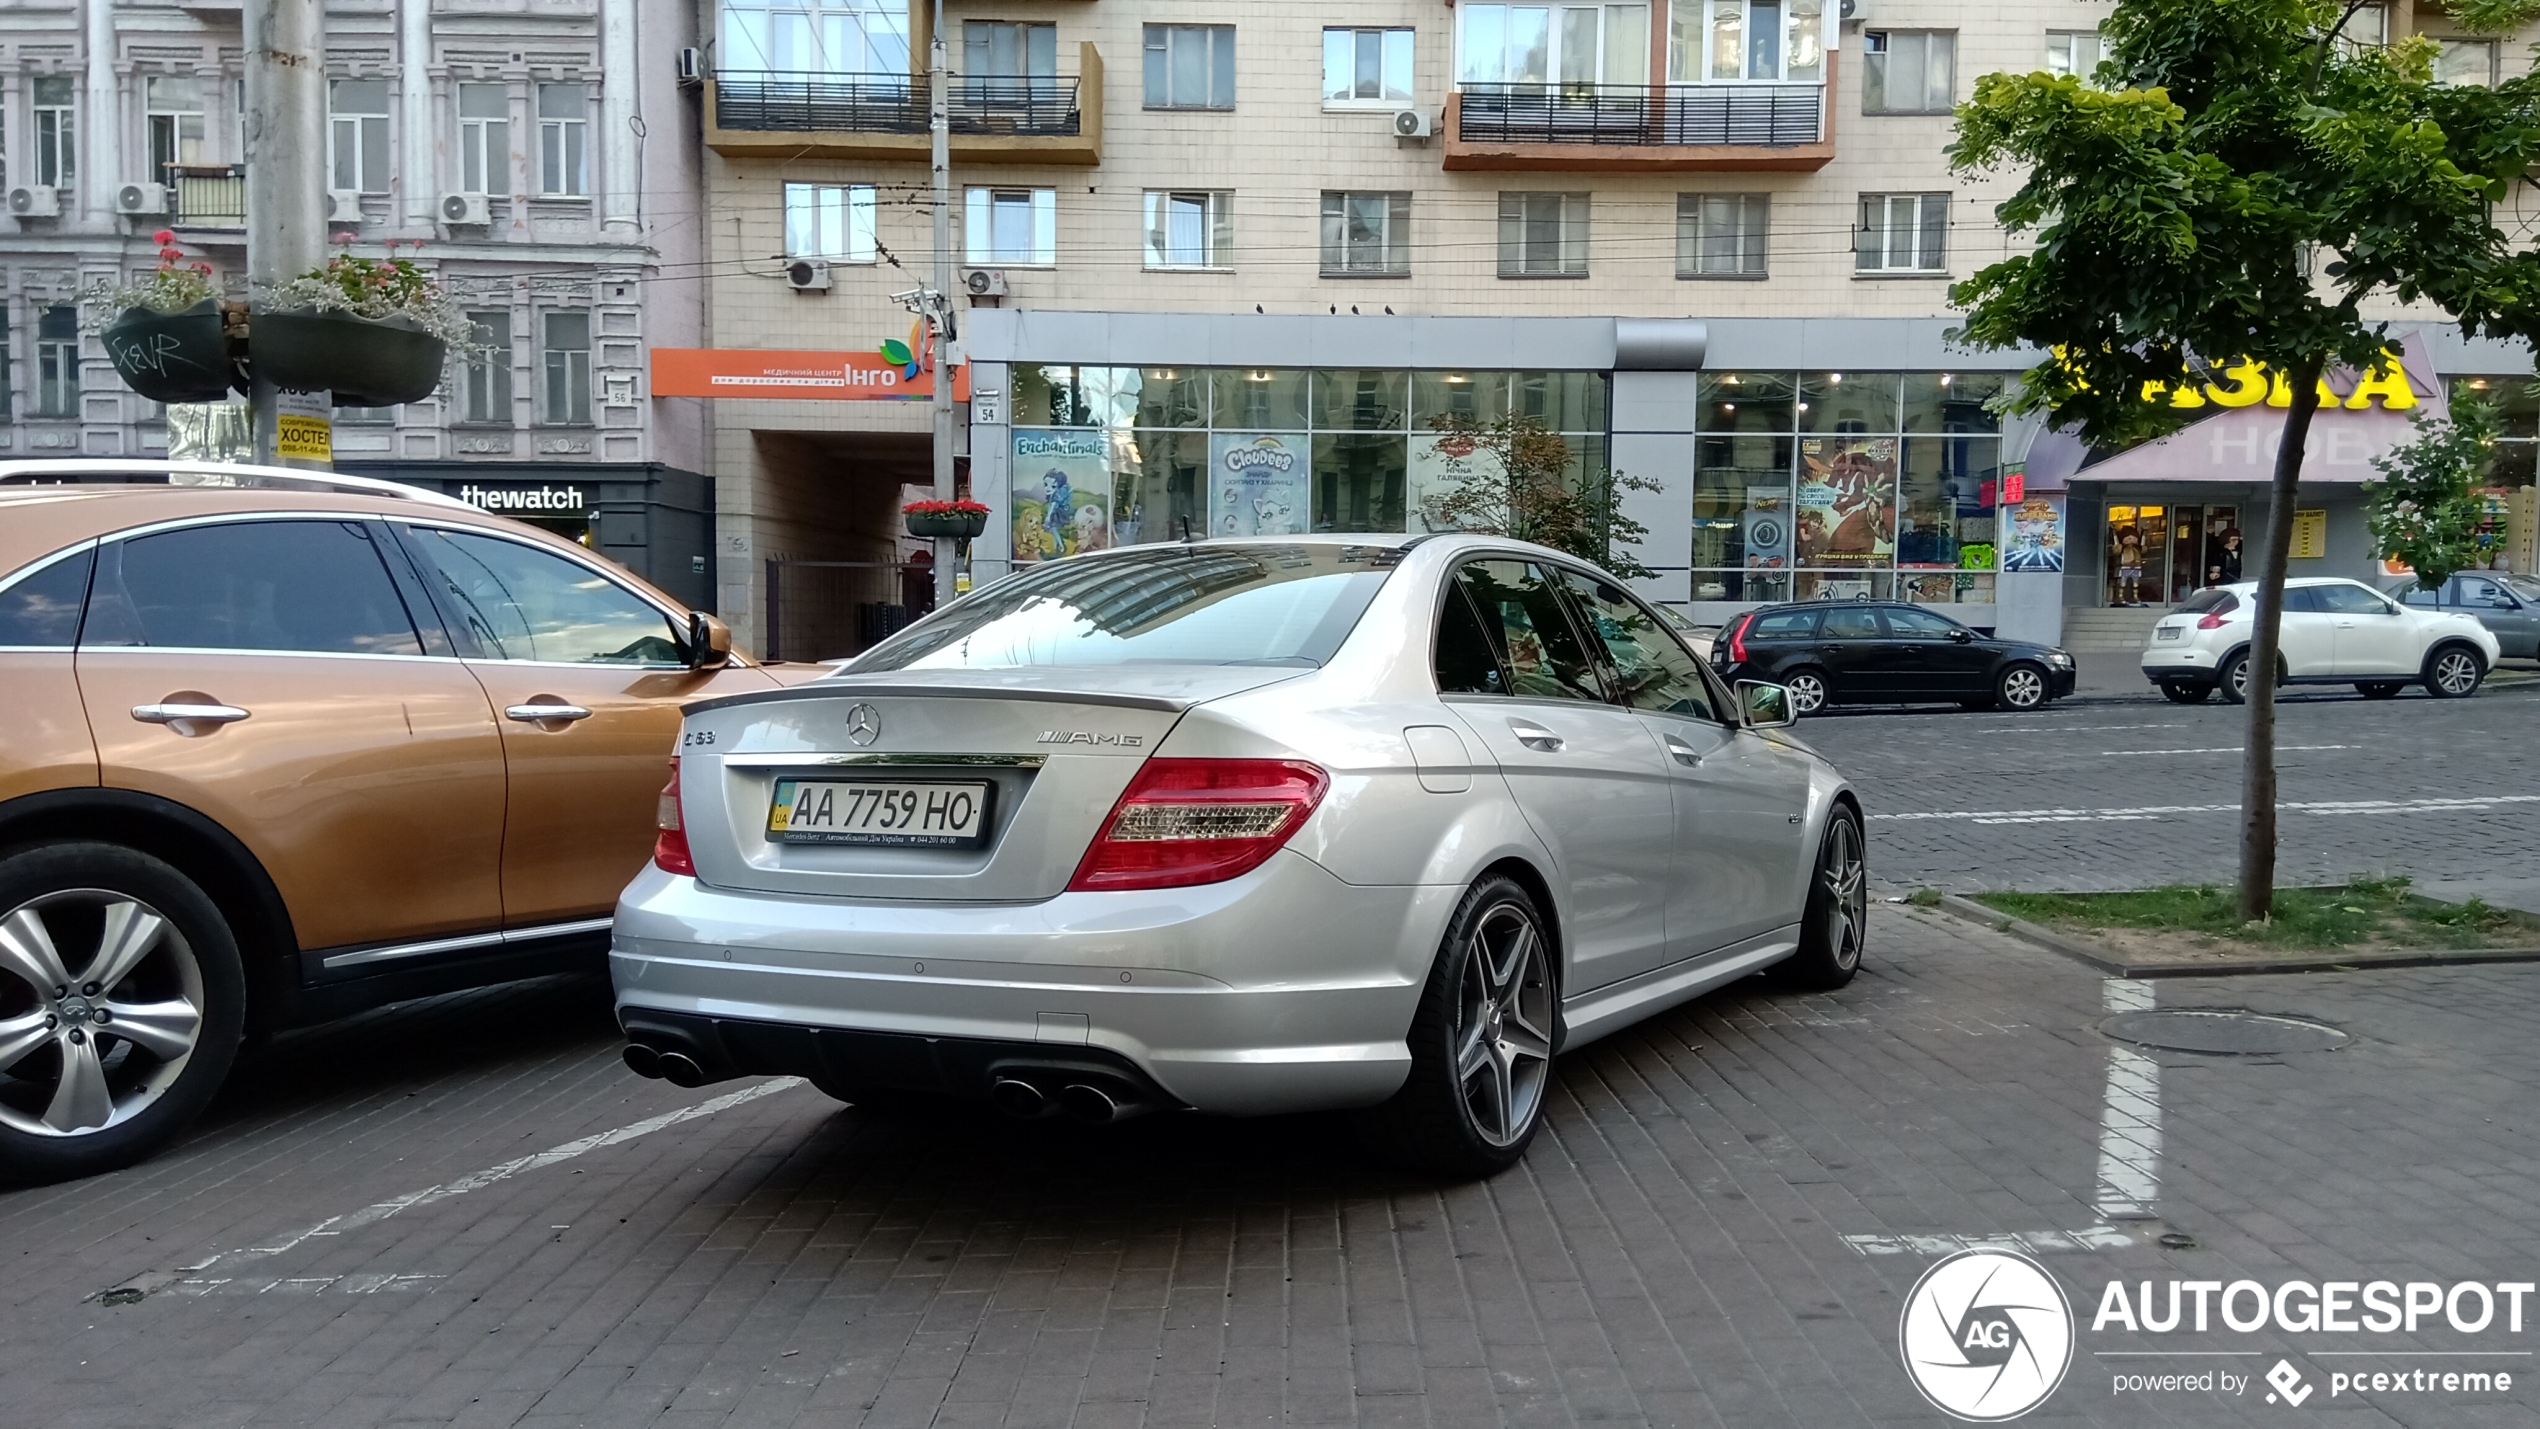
2129	1118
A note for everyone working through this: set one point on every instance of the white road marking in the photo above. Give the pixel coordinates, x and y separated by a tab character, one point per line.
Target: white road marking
2129	1118
2088	1238
2156	811
2217	749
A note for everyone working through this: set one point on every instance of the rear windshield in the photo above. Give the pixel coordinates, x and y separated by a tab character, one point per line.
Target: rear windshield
1165	605
2210	601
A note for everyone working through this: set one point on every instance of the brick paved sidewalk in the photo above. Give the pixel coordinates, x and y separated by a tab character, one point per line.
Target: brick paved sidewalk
1673	1250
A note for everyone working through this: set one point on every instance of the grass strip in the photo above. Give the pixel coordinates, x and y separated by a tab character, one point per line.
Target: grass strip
2366	910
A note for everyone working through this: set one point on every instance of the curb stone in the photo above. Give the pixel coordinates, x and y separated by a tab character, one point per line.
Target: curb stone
2100	959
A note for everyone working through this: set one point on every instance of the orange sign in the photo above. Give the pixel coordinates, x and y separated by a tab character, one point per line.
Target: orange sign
799	376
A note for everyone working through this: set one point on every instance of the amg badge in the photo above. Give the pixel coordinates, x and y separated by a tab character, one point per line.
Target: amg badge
1079	736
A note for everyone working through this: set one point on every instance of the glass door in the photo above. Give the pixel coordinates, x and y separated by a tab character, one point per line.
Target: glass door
2138	554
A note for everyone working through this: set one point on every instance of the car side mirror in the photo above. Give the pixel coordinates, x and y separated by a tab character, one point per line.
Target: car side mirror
1962	635
1763	706
709	642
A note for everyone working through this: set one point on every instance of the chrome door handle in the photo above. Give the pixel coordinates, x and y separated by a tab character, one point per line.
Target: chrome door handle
188	719
1683	753
543	713
1536	737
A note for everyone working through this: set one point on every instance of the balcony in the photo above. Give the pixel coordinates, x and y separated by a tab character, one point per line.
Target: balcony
207	195
768	115
1661	128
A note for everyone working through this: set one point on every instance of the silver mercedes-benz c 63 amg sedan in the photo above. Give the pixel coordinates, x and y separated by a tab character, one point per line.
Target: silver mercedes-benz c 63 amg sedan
1244	826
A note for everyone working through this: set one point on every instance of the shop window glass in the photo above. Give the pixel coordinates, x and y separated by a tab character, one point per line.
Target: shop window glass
1742	509
1562	401
1945	503
1545	658
1261	399
1951	401
1361	399
1482	396
1849	402
2516	400
1159	486
1061	395
1360	481
1745	402
1173	397
1846	502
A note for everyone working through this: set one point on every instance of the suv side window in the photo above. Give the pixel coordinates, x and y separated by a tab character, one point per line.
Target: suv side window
1785	625
41	612
1519	605
316	587
522	603
2349	600
2302	600
2479	593
1651	669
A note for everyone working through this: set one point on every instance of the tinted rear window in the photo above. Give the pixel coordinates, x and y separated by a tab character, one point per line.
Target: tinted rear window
312	586
1164	605
2207	602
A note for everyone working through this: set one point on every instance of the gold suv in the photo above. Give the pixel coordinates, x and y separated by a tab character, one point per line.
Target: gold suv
277	745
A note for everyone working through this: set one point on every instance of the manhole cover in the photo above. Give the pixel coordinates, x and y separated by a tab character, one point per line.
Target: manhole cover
2228	1030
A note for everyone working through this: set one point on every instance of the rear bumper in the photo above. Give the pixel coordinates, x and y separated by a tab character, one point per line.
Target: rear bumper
1283	990
2164	665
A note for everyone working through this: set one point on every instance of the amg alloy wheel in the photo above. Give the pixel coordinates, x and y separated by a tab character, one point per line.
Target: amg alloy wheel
1481	1042
1807	691
1837	921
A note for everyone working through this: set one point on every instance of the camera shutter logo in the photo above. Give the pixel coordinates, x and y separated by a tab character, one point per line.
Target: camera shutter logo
864	724
1986	1335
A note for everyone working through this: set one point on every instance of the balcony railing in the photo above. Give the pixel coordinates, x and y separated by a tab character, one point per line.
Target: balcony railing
208	196
1753	115
765	101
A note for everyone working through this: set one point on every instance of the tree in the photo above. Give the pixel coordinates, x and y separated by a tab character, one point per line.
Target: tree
2241	182
1512	478
2426	510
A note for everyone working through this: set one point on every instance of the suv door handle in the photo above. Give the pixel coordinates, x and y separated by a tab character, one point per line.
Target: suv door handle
189	718
546	712
1683	753
1536	737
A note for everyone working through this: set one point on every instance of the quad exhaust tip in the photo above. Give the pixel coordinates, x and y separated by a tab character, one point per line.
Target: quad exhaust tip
643	1061
1089	1103
1018	1098
677	1068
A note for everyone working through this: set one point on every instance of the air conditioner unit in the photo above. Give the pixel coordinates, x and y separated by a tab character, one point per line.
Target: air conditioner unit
984	282
343	205
466	208
35	201
807	275
142	199
1411	124
692	65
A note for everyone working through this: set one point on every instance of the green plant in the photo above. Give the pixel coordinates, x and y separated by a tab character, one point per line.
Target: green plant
1924	898
378	288
1512	477
176	284
2426	510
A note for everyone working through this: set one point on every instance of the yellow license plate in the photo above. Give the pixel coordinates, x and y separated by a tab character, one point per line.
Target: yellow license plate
889	813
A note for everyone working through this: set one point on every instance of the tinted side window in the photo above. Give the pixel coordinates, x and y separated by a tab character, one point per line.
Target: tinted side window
43	609
313	586
1545	659
1907	623
2349	600
1467	662
2301	600
521	603
1852	623
1652	670
1785	625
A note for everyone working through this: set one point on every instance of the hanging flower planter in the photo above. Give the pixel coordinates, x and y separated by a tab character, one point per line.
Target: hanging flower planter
960	520
365	362
181	356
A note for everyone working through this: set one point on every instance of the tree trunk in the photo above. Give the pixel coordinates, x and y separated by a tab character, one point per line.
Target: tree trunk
2257	786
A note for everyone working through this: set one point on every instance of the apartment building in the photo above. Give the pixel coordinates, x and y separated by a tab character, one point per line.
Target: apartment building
507	138
1226	266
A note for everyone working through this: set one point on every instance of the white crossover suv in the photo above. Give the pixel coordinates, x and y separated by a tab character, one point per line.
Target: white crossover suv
1240	826
2335	632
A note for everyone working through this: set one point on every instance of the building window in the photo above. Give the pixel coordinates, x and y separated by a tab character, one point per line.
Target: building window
1006	63
2073	52
832	221
1532	45
1011	226
1724	40
1908	71
489	371
485	138
56	142
2366	29
1721	235
568	366
1190	66
1902	233
1366	235
564	129
8	374
357	134
176	122
1188	230
1367	67
1543	235
57	362
841	39
2464	61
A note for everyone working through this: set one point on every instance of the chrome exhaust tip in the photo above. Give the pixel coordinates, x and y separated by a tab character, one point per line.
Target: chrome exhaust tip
1017	1097
681	1070
1087	1102
643	1061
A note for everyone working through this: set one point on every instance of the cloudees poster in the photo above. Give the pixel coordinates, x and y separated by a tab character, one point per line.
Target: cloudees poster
1257	484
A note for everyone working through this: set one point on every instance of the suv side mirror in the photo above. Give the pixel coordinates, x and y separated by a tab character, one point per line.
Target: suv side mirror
1763	706
709	642
1962	635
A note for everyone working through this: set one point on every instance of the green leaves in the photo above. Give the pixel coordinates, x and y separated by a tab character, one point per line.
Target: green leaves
2426	510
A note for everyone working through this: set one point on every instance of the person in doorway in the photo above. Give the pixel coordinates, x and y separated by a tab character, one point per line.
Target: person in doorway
2224	566
2129	566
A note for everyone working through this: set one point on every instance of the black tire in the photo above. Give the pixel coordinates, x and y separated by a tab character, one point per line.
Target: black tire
1808	690
1834	928
2021	687
2231	680
2184	692
1481	1042
2454	671
2381	689
82	1094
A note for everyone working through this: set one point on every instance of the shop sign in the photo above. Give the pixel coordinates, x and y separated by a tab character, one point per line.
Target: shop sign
2247	384
797	376
1062	492
2310	535
524	498
1847	501
303	430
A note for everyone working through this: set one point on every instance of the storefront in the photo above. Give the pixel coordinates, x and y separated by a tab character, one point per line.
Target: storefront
656	520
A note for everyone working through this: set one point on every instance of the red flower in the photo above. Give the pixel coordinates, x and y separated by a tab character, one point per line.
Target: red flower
163	237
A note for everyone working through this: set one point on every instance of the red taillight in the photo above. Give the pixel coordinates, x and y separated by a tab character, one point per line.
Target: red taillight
2212	620
1186	821
670	846
1737	638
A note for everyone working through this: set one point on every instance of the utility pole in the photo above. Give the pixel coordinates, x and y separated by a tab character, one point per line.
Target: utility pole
938	303
286	176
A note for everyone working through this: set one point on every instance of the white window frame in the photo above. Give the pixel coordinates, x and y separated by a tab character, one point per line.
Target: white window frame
1521	213
830	221
56	132
485	141
356	137
1694	39
1167	209
1883	216
486	379
1487	56
57	361
564	144
1343	51
564	395
1750	216
1393	244
1217	64
842	39
981	208
2074	52
1877	48
168	127
2450	45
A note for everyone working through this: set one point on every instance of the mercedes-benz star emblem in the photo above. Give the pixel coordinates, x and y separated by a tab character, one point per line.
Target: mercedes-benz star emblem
864	724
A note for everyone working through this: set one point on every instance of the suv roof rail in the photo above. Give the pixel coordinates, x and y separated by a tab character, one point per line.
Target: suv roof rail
119	471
